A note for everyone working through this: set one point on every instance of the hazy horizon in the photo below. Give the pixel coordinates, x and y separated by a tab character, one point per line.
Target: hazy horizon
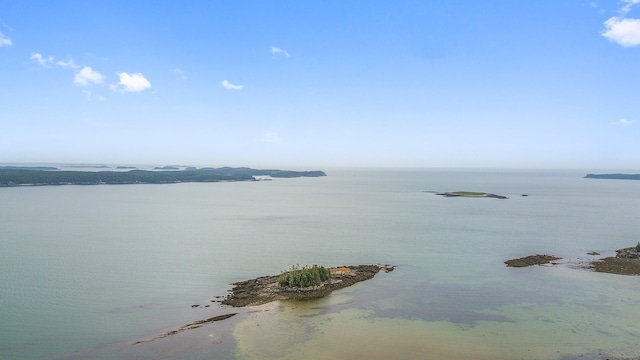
420	84
300	167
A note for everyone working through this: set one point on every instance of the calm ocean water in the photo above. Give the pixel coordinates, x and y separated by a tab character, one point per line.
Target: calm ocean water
85	271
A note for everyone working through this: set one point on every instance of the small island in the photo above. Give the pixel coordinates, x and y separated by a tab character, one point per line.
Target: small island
34	177
613	176
306	283
625	262
471	194
531	260
266	289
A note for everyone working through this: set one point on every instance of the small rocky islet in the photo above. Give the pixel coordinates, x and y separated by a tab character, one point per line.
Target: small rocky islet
531	260
468	194
266	289
625	262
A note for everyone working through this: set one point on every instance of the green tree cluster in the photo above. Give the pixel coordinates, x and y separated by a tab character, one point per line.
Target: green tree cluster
305	276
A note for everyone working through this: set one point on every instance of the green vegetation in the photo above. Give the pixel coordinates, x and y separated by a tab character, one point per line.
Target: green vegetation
638	247
473	194
16	177
469	193
304	277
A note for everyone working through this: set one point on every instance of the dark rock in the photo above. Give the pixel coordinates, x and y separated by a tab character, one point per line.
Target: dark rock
628	253
193	325
531	260
626	262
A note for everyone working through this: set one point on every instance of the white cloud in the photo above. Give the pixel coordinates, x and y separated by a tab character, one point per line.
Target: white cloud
4	40
621	30
132	82
67	64
271	137
227	85
625	32
276	51
87	76
628	5
624	122
43	61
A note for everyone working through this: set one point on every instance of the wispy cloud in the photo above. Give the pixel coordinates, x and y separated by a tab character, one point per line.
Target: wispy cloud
622	30
5	26
87	76
278	52
4	40
180	73
271	137
90	96
131	83
628	4
594	5
43	61
227	85
67	64
624	122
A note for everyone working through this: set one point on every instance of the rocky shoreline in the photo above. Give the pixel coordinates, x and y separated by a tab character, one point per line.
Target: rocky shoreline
265	289
626	262
470	194
531	260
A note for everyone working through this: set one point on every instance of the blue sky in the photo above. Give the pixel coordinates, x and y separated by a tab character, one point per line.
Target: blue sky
489	84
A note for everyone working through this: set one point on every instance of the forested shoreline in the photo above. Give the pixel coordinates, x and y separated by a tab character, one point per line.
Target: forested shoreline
10	176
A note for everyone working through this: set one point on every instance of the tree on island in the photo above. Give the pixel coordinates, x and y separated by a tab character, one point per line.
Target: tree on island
304	277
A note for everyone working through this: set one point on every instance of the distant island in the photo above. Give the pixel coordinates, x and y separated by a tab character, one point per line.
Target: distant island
614	176
43	168
473	194
28	176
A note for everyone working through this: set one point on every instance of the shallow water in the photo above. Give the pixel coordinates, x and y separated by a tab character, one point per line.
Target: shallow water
87	270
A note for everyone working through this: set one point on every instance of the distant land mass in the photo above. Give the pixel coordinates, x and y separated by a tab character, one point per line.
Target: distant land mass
10	176
43	168
614	176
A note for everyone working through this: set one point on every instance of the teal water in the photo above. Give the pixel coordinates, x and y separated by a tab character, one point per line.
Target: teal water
85	271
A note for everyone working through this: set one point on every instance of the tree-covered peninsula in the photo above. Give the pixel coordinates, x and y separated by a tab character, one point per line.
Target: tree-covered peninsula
22	177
